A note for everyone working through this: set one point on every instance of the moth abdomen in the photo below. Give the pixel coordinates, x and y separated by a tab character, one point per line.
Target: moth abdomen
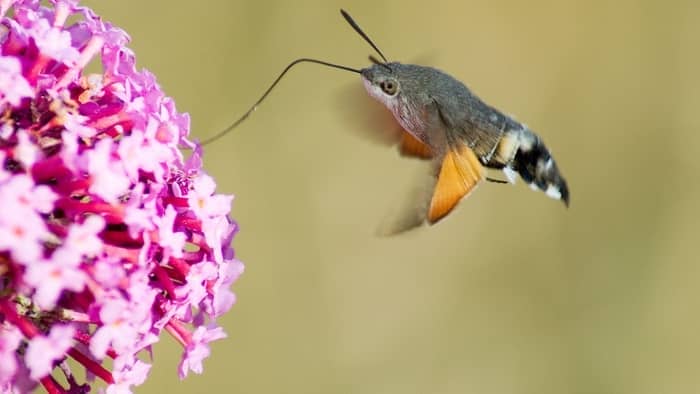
525	153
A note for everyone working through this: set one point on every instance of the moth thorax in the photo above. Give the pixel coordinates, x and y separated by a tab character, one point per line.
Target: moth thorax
406	115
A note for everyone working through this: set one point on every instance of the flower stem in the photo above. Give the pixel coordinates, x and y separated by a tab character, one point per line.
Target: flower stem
62	11
51	386
75	316
179	332
8	309
91	365
165	281
93	46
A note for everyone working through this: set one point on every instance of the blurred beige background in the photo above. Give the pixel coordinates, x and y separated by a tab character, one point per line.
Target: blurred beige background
512	293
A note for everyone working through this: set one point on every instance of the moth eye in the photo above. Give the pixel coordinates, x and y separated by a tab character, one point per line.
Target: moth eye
389	87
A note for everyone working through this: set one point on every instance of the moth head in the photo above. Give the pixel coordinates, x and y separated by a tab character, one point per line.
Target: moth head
382	82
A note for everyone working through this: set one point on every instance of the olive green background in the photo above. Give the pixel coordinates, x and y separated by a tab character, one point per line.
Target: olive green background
512	293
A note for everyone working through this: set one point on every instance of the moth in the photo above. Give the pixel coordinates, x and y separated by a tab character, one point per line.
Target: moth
445	123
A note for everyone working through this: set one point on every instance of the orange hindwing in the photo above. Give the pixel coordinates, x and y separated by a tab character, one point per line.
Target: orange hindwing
460	172
411	146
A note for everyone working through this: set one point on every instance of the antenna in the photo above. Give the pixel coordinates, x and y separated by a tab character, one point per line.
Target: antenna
359	31
378	62
267	92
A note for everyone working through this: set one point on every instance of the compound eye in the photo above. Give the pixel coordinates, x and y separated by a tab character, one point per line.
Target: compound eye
389	87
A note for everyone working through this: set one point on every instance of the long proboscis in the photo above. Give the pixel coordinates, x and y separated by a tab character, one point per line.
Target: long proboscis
267	92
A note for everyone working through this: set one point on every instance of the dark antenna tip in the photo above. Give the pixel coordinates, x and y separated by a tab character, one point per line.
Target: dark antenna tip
359	31
380	63
374	60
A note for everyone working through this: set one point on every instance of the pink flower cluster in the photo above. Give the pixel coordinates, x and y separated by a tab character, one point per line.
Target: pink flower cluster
108	233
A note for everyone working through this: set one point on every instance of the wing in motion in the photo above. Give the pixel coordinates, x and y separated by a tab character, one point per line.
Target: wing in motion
410	146
460	172
438	193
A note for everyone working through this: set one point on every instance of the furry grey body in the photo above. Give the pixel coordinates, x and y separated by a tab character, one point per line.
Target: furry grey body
429	101
442	112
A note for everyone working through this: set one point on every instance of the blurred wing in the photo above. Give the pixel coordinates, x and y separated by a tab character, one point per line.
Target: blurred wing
460	172
412	147
366	117
411	207
478	125
371	120
482	135
436	193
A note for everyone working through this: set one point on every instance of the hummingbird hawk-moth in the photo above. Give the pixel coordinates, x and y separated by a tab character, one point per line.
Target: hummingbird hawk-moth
444	122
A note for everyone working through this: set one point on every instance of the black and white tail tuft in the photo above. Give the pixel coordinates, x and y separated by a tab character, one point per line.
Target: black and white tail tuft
536	166
524	152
